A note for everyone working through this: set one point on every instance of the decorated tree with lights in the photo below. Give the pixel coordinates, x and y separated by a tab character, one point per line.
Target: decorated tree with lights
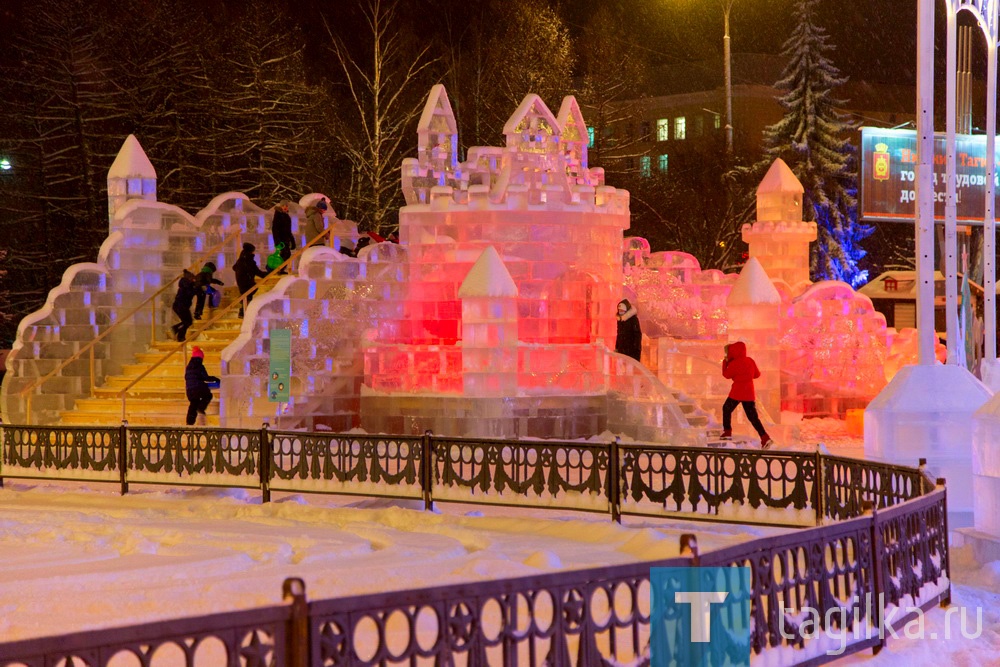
811	139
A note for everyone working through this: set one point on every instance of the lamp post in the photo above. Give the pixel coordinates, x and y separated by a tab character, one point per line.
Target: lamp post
727	68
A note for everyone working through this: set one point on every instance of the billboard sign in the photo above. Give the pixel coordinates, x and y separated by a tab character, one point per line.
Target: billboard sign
889	175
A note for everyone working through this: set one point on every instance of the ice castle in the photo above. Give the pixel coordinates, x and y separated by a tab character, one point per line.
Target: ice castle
493	316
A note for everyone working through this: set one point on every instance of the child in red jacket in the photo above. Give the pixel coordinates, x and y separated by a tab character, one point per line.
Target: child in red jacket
742	370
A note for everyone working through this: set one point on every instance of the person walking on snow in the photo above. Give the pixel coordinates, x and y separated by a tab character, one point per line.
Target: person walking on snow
247	270
742	370
314	219
281	232
196	380
629	339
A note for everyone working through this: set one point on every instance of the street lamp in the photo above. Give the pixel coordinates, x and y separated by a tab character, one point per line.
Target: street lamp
727	68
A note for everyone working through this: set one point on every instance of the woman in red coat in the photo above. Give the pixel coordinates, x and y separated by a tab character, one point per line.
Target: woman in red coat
742	370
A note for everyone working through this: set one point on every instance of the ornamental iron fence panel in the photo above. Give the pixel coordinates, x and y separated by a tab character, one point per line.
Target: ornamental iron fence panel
564	475
194	456
718	484
809	590
78	453
385	466
260	636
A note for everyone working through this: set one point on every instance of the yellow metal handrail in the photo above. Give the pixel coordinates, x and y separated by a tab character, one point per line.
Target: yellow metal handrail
125	318
194	333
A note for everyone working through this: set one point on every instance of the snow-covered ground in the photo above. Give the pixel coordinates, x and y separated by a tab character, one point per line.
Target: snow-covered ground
75	556
79	557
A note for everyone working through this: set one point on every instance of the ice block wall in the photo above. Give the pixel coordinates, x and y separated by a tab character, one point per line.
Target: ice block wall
332	305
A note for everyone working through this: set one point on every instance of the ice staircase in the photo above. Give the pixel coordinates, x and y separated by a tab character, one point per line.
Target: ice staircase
159	399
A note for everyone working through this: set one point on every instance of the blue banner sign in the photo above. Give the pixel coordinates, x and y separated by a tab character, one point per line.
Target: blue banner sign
889	176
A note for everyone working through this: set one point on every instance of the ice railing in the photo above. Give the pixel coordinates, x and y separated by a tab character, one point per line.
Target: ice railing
218	314
642	407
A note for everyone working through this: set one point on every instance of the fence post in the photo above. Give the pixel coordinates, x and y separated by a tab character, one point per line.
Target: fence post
123	456
820	488
876	559
266	452
946	599
426	473
297	647
614	480
927	482
689	548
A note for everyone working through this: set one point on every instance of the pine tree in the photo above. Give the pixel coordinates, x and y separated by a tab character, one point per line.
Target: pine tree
811	140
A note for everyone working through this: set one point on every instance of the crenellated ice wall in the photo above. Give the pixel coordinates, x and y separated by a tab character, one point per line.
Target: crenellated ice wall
148	245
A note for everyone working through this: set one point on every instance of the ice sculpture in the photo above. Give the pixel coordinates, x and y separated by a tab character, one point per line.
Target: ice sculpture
779	238
985	468
834	350
149	242
534	225
926	412
832	346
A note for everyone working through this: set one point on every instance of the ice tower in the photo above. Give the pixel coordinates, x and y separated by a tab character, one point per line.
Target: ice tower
754	313
489	328
780	239
131	177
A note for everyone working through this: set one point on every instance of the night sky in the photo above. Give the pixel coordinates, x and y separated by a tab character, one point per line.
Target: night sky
875	38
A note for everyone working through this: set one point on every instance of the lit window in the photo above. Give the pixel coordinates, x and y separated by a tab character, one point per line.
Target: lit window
680	127
716	121
662	129
590	136
663	163
644	168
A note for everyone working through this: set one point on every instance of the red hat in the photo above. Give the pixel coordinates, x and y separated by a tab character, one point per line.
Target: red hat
196	352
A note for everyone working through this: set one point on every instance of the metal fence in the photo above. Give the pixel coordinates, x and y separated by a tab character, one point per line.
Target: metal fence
885	540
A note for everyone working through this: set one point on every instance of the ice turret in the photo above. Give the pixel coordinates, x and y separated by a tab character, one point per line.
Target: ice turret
575	138
131	177
779	238
754	309
489	328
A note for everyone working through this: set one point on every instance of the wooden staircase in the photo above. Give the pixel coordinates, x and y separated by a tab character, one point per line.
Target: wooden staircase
159	398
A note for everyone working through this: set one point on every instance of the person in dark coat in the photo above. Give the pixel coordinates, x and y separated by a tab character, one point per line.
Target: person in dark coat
629	339
187	290
196	380
206	278
247	271
742	370
281	232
